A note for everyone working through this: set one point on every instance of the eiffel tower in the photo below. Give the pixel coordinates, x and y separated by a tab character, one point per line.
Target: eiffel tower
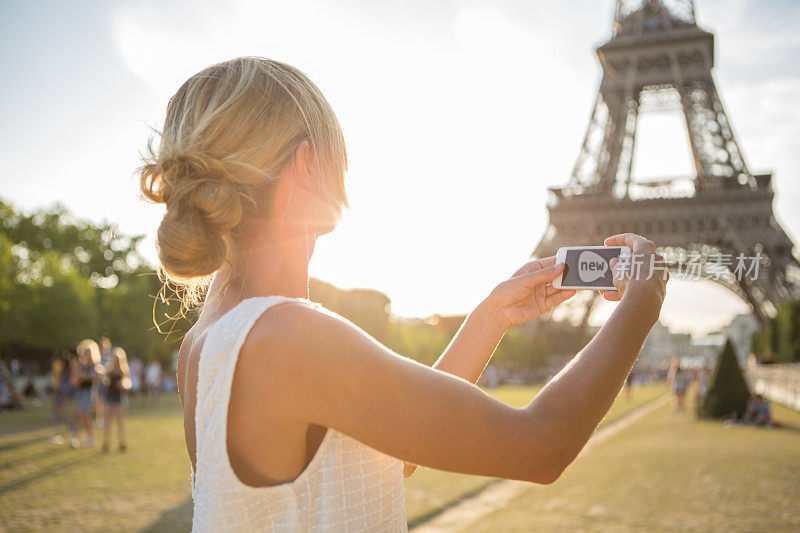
659	59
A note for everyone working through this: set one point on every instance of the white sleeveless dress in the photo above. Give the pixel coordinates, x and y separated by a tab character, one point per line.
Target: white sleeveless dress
347	486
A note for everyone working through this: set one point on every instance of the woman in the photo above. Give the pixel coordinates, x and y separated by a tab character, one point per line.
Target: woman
117	381
679	385
294	418
84	373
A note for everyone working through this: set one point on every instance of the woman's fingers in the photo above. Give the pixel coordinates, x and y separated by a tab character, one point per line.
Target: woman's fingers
558	297
531	280
549	289
536	264
539	295
632	241
617	240
611	296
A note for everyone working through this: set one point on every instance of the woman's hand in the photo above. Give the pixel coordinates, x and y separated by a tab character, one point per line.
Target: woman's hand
529	293
645	277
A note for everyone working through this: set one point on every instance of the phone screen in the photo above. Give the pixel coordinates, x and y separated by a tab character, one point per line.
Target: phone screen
588	267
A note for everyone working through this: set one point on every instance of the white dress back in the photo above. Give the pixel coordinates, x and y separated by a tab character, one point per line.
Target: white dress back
347	486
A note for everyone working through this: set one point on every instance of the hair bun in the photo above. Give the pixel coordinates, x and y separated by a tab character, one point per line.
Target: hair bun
204	206
219	203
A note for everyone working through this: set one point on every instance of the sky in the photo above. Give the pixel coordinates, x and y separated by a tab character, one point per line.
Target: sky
457	116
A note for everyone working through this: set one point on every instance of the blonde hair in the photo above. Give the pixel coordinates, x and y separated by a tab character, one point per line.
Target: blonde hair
120	359
229	132
88	345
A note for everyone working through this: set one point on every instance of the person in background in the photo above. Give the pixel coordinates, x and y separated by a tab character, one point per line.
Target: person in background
673	371
9	395
117	382
137	369
85	370
152	376
758	411
100	392
680	383
629	386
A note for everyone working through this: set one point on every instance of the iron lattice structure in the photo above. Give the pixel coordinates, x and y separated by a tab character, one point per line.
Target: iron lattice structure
658	58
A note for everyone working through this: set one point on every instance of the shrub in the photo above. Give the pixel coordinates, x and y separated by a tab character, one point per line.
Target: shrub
728	392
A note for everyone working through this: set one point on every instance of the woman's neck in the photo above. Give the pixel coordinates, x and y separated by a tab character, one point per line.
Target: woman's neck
258	274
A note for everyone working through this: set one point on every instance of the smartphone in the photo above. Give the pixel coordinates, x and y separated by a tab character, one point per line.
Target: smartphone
587	267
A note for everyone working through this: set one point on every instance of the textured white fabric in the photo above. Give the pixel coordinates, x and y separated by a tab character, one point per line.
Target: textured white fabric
347	486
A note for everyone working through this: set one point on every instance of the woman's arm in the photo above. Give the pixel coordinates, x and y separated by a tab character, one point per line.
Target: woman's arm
585	389
323	370
525	296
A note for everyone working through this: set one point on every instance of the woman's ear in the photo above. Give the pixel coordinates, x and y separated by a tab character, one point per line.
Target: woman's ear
292	177
289	180
303	163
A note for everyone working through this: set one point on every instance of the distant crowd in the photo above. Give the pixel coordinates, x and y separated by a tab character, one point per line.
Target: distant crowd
757	413
90	389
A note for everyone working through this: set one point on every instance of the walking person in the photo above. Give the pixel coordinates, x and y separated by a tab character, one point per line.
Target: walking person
680	383
84	375
152	377
294	418
117	383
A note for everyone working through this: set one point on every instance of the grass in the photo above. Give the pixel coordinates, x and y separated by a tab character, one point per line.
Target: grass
670	472
44	484
429	491
665	472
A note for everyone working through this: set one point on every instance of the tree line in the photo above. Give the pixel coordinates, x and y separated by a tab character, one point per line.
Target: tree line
63	279
778	339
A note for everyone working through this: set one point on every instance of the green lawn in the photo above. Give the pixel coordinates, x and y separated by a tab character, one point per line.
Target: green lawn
670	472
49	485
428	491
44	484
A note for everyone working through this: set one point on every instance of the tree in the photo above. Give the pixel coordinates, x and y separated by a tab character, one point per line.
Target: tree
788	324
367	308
58	305
63	279
10	294
519	348
728	392
97	251
761	342
778	339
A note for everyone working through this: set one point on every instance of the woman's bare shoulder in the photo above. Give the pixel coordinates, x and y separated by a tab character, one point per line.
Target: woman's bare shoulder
293	326
290	346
